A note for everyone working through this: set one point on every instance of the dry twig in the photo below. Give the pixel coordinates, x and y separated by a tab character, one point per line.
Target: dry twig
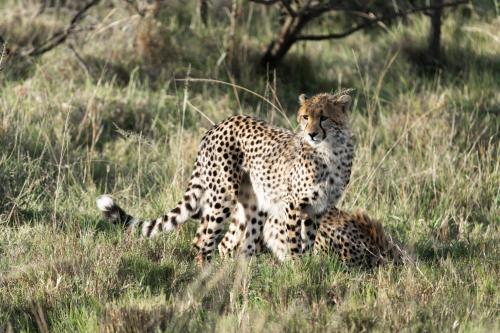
373	19
3	53
61	36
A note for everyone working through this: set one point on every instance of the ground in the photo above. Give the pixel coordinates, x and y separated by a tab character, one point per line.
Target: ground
113	114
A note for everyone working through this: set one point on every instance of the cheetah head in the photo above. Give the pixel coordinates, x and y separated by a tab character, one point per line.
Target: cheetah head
323	115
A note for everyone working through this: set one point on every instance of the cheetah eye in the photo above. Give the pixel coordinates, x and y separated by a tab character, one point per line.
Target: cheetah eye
323	118
305	117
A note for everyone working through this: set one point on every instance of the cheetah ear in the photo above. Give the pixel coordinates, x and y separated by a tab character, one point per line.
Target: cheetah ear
345	102
303	98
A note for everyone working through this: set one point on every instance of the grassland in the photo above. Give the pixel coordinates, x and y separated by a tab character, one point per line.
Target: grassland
113	115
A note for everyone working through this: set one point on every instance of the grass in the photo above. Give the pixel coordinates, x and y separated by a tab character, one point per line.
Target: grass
116	119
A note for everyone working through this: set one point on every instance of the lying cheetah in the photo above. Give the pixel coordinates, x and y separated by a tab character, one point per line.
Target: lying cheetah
354	238
294	176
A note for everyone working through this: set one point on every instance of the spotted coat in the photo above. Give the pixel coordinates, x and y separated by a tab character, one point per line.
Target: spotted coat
294	176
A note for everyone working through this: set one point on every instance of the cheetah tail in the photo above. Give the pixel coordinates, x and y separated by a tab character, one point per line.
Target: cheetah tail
112	212
185	209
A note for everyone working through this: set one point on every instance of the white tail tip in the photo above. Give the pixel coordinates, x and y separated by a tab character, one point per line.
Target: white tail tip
104	202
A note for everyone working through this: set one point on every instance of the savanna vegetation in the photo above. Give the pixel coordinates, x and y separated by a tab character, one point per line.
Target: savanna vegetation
115	101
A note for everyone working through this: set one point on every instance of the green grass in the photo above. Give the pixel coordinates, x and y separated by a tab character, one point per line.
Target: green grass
120	122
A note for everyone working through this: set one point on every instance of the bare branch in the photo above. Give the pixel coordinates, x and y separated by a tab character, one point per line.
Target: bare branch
134	7
288	8
334	35
42	8
265	2
376	20
3	53
323	7
284	3
60	37
79	59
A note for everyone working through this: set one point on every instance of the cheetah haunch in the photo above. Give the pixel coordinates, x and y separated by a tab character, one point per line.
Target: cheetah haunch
294	176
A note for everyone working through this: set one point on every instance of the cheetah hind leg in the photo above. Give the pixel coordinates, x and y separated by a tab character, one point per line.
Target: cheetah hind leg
216	212
230	243
200	234
244	236
248	222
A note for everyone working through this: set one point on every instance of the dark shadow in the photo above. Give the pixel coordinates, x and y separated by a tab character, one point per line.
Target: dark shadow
295	75
157	276
116	116
20	318
20	216
430	252
28	316
105	71
17	69
90	222
317	270
455	62
299	74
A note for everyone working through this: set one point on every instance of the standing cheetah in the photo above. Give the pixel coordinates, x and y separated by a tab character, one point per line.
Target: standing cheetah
294	176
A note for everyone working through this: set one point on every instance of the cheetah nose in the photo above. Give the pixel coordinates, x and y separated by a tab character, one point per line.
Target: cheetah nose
313	135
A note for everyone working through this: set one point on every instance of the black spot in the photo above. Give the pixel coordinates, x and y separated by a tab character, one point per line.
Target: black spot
173	221
150	228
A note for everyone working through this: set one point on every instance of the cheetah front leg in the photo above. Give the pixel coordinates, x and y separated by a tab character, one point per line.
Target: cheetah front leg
293	224
275	237
280	238
281	233
307	234
218	210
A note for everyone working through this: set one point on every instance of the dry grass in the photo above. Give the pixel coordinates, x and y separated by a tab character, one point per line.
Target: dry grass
120	119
